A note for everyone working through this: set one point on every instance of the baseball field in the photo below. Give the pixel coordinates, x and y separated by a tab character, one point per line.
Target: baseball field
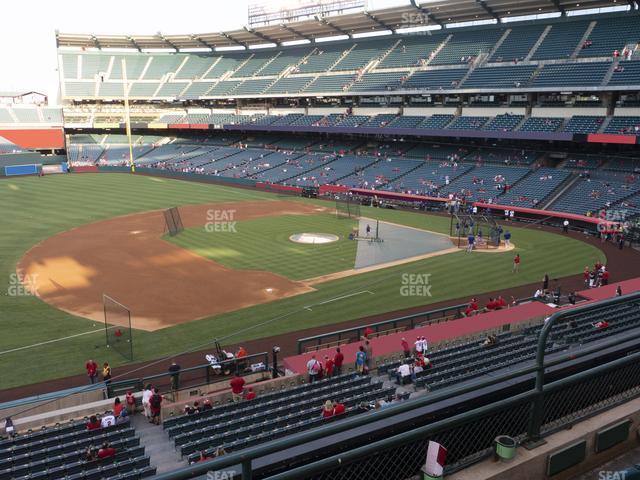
233	273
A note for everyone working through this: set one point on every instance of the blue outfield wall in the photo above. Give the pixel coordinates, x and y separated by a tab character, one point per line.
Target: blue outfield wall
12	170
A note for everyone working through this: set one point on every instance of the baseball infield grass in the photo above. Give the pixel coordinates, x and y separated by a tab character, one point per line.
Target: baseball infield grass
245	247
33	209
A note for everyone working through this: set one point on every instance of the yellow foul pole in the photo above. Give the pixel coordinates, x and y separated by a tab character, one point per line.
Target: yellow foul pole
127	117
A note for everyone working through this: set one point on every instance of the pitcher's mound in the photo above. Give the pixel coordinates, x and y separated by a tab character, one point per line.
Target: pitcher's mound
314	238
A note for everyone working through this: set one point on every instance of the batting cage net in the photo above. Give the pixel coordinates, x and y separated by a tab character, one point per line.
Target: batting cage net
484	228
347	207
117	327
173	221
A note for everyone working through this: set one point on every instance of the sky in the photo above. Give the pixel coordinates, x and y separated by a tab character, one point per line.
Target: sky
27	36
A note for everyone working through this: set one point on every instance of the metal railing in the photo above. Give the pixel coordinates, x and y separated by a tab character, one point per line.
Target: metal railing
468	436
407	322
191	377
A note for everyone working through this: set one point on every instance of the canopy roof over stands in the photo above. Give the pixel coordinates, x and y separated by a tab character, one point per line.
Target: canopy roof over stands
414	14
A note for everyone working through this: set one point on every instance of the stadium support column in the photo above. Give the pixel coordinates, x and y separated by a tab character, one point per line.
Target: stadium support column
127	116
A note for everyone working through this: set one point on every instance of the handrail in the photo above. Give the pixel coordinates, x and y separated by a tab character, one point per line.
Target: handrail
376	326
533	433
263	356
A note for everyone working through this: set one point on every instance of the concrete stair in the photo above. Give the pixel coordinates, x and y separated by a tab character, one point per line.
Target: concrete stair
157	445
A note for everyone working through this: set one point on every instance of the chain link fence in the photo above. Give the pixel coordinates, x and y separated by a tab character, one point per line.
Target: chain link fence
574	402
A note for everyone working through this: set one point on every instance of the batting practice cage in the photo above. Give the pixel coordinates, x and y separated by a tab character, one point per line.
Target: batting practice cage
347	207
173	221
484	228
117	327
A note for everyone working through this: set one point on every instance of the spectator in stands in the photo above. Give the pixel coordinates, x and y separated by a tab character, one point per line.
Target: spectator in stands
327	409
146	397
107	451
367	332
188	410
130	400
202	458
92	370
618	291
404	373
601	325
361	358
338	360
585	276
490	341
196	407
313	368
338	408
237	387
118	408
328	366
572	298
405	348
241	353
90	454
516	263
174	370
107	421
93	423
206	405
565	226
250	395
368	352
106	373
155	403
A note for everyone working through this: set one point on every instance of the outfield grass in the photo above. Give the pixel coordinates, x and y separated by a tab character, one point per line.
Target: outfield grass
33	209
263	244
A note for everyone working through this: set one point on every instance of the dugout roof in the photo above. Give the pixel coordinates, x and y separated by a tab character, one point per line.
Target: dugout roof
414	14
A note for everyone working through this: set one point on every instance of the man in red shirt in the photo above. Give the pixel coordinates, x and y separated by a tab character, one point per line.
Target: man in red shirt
338	359
328	366
500	303
516	263
106	451
405	348
368	331
92	370
94	423
472	308
237	388
605	277
491	305
338	408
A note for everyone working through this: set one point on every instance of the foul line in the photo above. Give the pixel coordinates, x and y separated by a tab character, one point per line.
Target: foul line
53	341
308	307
